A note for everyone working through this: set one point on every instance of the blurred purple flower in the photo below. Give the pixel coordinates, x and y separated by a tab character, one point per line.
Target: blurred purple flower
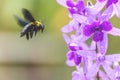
72	26
114	5
117	70
110	2
95	9
72	54
73	59
73	7
79	75
77	50
99	32
76	7
99	29
106	62
87	21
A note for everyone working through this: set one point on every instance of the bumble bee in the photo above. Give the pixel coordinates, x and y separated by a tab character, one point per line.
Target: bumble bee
30	25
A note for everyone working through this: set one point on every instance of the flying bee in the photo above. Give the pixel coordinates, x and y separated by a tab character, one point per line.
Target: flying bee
30	25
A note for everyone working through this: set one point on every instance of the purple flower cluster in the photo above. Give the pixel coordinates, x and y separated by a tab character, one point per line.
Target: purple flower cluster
91	22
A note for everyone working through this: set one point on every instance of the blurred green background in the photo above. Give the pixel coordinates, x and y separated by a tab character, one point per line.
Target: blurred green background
44	56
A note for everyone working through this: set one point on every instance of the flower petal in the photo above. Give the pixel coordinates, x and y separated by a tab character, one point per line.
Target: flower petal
70	3
98	36
103	75
74	46
109	3
87	53
93	45
66	38
80	5
73	25
109	71
78	75
114	31
70	55
80	18
70	63
106	25
107	14
93	70
103	45
85	64
88	30
67	29
117	9
83	38
113	58
77	59
62	2
97	7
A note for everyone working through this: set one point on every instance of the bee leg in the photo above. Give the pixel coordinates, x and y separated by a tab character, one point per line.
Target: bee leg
42	28
35	29
35	32
27	36
31	34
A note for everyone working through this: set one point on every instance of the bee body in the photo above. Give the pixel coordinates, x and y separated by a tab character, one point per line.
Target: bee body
30	26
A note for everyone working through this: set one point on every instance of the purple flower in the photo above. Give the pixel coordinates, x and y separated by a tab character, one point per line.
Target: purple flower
72	54
95	9
113	5
74	58
91	21
99	32
77	50
110	2
117	70
79	75
104	61
73	25
97	29
76	7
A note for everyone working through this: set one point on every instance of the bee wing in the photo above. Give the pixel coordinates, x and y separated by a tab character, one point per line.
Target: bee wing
20	21
27	15
26	29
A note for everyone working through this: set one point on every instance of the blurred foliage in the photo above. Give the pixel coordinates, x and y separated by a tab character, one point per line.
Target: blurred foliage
41	58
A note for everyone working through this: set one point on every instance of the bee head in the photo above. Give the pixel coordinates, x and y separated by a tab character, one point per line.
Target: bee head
38	23
42	27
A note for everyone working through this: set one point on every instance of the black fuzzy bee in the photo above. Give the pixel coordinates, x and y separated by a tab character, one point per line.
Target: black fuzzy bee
30	26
